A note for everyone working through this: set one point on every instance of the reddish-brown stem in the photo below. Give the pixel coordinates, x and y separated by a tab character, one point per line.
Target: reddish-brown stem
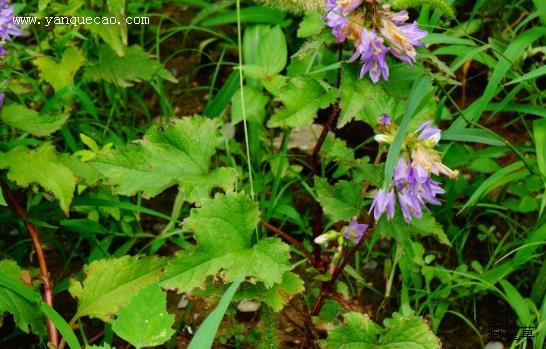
332	120
326	288
95	337
44	274
341	301
317	220
289	239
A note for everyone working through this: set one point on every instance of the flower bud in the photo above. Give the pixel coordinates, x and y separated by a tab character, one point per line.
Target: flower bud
324	238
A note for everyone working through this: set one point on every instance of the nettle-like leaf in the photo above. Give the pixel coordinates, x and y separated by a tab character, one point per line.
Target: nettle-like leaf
111	35
145	322
277	296
312	24
110	284
60	74
41	166
340	202
26	315
114	36
302	98
360	332
336	149
362	100
136	65
224	229
179	153
296	6
364	171
31	121
428	226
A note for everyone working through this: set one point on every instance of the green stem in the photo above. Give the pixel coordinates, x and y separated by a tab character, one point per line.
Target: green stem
269	338
177	207
277	180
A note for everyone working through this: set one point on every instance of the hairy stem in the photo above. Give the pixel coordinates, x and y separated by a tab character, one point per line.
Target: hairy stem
268	338
327	287
44	274
317	220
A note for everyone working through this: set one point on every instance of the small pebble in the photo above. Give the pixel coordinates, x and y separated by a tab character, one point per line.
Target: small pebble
183	302
289	329
248	306
494	345
370	265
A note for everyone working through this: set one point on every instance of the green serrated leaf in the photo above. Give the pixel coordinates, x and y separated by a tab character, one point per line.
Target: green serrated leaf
26	315
310	25
110	284
136	65
355	94
166	157
336	149
30	121
302	98
40	166
362	100
411	332
340	202
358	332
429	226
113	35
365	171
61	74
277	296
224	230
145	322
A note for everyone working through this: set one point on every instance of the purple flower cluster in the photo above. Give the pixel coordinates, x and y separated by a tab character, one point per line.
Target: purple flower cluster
394	35
338	18
413	184
7	28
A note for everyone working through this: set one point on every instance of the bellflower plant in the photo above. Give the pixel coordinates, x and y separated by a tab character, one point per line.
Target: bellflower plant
412	183
355	231
374	36
7	28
